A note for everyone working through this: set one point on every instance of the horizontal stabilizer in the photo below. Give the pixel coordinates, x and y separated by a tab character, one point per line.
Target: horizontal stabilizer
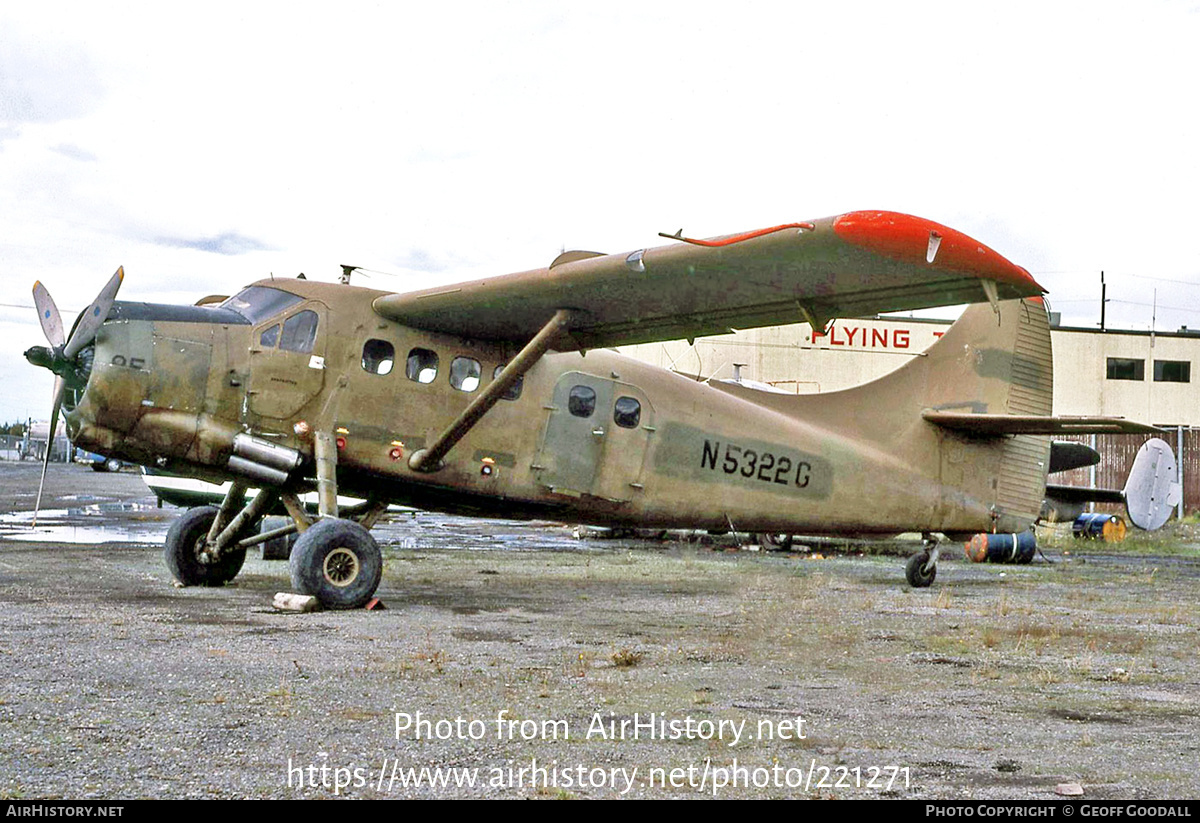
1000	424
1082	494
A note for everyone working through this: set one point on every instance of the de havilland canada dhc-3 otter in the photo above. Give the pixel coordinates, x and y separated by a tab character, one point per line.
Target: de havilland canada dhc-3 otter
500	397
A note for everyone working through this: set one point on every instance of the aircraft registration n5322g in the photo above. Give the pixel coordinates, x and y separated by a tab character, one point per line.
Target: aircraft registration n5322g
500	397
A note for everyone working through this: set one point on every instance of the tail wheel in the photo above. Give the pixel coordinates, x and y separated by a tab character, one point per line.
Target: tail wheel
187	539
338	562
919	571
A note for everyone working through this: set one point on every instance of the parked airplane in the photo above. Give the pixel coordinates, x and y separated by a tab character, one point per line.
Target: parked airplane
498	397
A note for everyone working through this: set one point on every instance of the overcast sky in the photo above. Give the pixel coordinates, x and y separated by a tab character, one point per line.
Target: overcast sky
203	146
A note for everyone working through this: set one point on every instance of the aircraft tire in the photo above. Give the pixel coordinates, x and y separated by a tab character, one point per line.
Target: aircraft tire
338	562
277	548
915	571
186	538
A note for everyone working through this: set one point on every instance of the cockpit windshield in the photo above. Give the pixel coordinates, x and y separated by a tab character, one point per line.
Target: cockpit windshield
260	302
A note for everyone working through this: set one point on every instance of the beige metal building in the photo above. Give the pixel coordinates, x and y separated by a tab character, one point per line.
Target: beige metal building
1139	375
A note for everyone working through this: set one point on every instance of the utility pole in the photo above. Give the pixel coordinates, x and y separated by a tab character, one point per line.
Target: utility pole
1103	300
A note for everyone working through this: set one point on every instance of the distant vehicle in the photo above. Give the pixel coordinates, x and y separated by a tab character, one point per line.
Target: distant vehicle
98	462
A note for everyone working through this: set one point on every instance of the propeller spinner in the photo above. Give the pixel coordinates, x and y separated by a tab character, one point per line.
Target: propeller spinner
60	358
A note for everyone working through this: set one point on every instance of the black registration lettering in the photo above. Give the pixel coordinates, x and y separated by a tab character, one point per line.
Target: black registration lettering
765	465
730	464
753	464
751	461
784	472
803	474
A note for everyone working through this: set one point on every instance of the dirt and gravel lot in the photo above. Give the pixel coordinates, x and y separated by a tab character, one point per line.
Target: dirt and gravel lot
515	654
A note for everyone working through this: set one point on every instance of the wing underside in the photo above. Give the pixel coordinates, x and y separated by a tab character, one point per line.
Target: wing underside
857	264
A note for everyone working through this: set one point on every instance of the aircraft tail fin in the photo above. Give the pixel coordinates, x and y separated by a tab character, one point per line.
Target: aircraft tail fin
992	369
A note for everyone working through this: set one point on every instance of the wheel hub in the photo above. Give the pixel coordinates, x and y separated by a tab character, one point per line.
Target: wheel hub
341	567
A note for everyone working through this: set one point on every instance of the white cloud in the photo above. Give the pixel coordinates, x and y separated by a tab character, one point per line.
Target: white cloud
479	138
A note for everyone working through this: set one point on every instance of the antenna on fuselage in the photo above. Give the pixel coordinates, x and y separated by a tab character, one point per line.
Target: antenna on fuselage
346	271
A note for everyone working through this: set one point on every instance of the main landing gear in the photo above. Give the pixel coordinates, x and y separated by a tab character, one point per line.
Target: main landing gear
921	568
334	559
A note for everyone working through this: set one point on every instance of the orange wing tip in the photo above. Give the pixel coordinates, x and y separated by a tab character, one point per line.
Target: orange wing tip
919	241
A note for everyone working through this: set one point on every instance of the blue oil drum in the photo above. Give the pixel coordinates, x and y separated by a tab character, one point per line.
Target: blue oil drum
1002	548
1099	526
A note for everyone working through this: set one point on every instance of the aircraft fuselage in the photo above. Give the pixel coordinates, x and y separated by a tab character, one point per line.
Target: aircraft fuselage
593	437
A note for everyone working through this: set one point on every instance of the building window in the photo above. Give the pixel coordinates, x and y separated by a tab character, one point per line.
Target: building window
1120	368
627	412
422	366
465	373
378	356
1172	371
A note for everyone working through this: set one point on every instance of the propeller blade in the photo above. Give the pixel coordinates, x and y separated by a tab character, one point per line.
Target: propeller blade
51	320
59	391
95	315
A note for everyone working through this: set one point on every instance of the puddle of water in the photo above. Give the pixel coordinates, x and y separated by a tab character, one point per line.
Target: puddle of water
86	535
56	525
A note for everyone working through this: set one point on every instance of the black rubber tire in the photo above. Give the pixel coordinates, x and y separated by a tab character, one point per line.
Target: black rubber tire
914	570
338	562
277	548
185	538
112	464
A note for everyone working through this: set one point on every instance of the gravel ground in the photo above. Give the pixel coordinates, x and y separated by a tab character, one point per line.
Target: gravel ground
513	654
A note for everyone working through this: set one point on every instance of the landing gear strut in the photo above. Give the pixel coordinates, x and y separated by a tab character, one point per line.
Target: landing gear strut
921	568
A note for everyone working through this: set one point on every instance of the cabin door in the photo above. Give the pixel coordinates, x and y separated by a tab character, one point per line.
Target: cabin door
596	439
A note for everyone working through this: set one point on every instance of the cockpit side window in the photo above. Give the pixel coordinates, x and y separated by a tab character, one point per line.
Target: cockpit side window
270	337
260	302
299	332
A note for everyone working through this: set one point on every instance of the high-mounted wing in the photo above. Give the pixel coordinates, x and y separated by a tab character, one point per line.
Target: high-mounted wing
856	264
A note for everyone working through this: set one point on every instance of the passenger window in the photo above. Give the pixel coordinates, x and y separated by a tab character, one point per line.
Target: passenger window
465	374
378	356
422	366
270	337
514	391
627	413
299	332
581	402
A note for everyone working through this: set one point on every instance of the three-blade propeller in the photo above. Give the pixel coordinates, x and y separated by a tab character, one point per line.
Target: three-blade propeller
60	357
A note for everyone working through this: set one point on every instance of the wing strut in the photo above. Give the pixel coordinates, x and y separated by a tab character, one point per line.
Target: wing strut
430	459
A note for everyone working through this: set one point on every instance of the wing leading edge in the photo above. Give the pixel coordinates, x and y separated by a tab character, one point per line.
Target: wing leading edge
856	264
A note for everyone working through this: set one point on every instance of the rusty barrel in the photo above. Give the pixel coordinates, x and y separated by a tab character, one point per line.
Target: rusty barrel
1002	548
1099	526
